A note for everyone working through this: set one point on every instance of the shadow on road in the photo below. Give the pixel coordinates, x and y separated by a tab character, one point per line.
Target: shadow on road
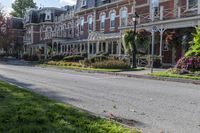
54	95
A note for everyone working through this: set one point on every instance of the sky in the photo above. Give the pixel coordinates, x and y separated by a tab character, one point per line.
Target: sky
40	3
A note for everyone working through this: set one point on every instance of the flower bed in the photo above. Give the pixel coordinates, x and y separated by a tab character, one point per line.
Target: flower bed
189	63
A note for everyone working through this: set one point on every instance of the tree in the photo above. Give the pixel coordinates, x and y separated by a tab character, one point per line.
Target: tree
130	46
195	48
19	7
4	33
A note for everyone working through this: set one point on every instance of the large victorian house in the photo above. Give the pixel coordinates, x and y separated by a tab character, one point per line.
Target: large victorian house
98	26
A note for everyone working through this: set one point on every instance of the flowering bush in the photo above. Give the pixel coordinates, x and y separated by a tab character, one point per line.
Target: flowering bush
189	63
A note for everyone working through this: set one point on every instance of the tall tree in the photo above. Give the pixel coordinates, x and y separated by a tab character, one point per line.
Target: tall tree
19	7
4	33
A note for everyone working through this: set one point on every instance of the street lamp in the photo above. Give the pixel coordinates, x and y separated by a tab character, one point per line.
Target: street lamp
134	50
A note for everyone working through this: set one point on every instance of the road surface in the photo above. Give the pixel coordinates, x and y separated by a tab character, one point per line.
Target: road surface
154	105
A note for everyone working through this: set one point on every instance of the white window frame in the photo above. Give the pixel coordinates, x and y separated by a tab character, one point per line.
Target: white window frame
126	19
82	24
100	21
112	11
90	23
191	8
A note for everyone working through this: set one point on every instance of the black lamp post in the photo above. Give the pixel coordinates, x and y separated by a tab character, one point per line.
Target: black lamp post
134	50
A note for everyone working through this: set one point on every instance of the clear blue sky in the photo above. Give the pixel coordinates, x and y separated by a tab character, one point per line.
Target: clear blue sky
46	3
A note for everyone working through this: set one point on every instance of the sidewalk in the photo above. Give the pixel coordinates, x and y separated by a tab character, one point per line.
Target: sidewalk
143	72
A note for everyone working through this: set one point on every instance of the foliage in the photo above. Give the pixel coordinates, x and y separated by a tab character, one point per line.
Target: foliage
5	38
189	63
172	39
57	57
30	57
74	58
195	48
157	63
63	63
19	7
22	111
142	40
99	58
111	64
130	46
175	73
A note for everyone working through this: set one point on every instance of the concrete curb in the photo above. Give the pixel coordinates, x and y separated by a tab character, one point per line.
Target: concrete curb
180	80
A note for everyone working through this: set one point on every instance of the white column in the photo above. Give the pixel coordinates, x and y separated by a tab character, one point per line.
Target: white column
106	46
198	6
97	47
161	12
88	50
161	43
120	47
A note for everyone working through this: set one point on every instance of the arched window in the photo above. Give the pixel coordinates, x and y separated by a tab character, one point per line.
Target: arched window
82	24
112	19
102	21
90	23
123	17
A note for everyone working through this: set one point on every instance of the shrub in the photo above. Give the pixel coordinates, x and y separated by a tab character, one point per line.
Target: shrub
98	58
189	63
74	58
57	57
64	63
195	48
111	64
157	63
27	57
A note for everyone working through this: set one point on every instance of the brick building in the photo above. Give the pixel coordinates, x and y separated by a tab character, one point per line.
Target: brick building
98	26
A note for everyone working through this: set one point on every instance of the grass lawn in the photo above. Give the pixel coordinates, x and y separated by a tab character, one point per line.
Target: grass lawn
22	111
168	74
93	69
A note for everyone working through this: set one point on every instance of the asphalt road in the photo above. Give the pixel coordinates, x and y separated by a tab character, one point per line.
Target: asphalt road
154	105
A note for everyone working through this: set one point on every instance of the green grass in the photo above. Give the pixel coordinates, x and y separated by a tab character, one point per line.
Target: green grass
22	111
168	74
93	69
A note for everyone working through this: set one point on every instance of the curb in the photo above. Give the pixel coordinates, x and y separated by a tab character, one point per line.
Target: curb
180	80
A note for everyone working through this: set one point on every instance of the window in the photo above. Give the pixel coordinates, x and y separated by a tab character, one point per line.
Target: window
123	17
112	19
102	21
192	4
84	3
82	24
90	23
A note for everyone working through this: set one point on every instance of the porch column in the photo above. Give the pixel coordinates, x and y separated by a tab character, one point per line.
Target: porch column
97	47
88	50
61	49
112	48
198	7
45	51
52	48
57	49
161	43
106	46
120	47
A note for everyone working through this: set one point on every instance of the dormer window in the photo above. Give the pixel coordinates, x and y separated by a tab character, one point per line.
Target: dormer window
192	4
47	15
84	3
